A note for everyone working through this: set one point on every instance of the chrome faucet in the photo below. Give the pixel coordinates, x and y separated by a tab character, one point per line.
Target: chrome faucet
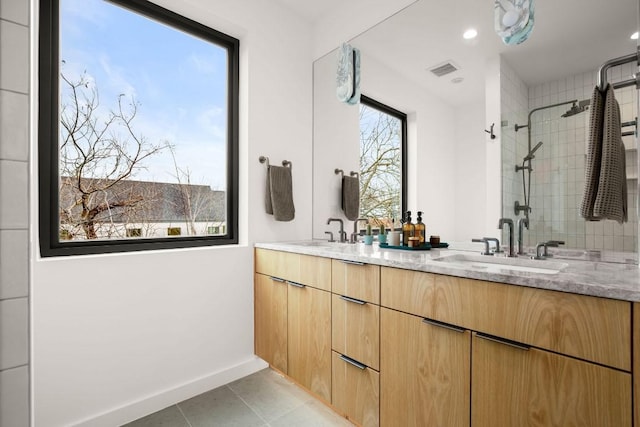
509	222
522	222
544	245
354	235
486	245
343	234
497	242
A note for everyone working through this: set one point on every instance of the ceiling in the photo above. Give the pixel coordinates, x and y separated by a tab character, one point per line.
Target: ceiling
569	37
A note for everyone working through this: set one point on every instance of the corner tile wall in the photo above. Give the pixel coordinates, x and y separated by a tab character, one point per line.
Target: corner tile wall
14	237
559	166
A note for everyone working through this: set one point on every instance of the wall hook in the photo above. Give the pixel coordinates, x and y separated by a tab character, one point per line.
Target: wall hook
490	132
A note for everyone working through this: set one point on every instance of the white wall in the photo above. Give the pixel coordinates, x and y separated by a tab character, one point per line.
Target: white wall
117	336
470	167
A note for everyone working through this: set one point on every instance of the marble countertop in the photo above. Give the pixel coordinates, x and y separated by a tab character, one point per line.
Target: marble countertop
580	275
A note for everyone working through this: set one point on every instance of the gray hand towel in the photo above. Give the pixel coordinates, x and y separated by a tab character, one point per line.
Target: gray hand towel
594	155
605	193
279	195
351	197
611	200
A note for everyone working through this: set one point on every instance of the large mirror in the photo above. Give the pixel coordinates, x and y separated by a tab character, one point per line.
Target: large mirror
458	175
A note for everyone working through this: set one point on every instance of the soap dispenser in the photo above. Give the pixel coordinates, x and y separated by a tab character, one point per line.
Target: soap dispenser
420	228
408	229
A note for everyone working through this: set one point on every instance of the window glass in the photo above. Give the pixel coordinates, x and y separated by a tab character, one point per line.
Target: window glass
143	120
382	171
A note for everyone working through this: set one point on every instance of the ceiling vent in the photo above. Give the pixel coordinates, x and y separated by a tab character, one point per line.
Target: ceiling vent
444	69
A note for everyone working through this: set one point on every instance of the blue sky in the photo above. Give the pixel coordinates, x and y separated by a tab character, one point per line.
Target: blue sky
178	80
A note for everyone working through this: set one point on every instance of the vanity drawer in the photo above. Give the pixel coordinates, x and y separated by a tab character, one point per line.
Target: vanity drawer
590	328
356	280
308	270
355	330
355	391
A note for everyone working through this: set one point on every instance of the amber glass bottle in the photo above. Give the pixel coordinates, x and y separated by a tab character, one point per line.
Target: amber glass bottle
420	229
408	229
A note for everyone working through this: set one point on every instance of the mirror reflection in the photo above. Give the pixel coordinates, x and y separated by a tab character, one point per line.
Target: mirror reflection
535	94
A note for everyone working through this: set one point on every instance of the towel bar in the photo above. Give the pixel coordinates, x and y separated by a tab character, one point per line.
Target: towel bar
265	159
602	72
339	172
356	174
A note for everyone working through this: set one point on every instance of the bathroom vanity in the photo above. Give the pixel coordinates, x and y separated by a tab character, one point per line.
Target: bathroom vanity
400	338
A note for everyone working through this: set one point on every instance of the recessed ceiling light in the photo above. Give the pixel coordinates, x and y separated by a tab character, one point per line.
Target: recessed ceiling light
471	33
634	36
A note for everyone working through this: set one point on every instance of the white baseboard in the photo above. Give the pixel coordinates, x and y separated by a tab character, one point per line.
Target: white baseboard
158	401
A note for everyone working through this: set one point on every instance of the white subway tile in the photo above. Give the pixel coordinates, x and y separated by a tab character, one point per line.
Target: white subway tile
14	125
14	57
14	397
14	333
13	194
15	10
14	263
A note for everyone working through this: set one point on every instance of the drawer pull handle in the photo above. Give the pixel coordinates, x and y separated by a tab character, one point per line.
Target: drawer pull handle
297	285
443	325
277	279
503	341
353	362
352	262
353	300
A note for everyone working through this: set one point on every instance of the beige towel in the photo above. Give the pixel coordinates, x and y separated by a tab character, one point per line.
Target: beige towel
605	195
351	197
279	193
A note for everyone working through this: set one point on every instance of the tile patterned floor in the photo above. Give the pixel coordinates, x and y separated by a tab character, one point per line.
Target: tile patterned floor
263	399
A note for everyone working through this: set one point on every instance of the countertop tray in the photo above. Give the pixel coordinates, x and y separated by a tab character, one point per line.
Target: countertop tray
424	247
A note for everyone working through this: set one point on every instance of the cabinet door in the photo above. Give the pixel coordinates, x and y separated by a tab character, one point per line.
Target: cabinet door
355	391
309	338
514	386
424	372
271	320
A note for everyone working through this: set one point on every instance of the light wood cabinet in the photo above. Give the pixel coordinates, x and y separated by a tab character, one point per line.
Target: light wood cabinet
271	320
309	338
591	328
424	372
518	387
355	391
394	347
293	319
636	363
356	330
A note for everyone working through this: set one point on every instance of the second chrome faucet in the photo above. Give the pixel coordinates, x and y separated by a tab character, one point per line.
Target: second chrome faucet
509	222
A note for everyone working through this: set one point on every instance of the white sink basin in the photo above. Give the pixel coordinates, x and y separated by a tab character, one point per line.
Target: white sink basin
492	263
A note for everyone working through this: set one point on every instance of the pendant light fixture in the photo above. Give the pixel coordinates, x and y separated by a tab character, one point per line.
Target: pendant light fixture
513	20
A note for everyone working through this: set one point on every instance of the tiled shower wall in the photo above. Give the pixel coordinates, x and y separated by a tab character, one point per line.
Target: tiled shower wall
557	181
559	166
14	240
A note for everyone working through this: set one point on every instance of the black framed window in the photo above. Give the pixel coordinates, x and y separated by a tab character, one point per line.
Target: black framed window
138	129
383	171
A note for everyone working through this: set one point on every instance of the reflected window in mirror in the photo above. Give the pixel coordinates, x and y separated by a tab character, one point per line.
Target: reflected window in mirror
383	175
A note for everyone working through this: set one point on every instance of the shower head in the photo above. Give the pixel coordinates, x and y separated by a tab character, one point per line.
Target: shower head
577	108
530	156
